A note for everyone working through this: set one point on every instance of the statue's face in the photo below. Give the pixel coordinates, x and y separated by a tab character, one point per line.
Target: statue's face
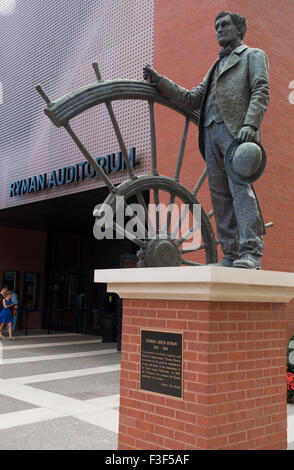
226	30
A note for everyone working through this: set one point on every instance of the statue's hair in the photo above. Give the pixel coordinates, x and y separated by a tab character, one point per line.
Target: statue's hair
240	21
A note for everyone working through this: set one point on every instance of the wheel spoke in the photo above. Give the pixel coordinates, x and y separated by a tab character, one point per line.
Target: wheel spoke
130	213
120	140
97	71
188	234
194	192
141	200
182	150
180	222
121	231
44	95
169	213
193	249
157	210
177	175
116	127
153	139
200	182
90	159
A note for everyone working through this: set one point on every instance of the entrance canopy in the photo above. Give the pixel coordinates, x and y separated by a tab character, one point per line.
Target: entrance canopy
73	213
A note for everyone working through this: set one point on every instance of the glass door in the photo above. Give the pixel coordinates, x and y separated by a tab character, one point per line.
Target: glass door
30	296
11	279
63	302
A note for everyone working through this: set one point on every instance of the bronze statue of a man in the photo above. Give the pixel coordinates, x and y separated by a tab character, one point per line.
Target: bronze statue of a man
232	100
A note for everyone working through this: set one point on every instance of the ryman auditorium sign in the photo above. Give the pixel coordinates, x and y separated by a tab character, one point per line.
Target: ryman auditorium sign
70	174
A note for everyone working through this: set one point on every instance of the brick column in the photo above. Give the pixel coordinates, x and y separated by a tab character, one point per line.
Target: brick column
234	358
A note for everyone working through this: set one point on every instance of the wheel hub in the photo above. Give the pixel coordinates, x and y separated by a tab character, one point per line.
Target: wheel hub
160	253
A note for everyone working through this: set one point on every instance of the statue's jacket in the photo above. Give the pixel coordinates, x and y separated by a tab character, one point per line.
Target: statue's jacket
242	91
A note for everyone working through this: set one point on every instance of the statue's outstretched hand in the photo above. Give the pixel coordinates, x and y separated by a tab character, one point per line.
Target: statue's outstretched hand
151	75
246	134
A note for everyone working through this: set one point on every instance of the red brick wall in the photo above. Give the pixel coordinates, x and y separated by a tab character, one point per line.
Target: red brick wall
234	377
184	48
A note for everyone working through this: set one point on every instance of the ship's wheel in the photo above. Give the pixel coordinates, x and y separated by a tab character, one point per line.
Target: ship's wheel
162	241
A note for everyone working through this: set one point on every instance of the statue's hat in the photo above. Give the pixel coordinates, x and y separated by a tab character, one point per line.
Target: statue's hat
245	162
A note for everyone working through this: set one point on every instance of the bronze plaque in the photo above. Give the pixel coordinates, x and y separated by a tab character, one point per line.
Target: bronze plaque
162	362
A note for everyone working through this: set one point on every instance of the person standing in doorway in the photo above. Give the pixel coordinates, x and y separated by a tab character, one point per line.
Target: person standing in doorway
15	310
6	315
3	293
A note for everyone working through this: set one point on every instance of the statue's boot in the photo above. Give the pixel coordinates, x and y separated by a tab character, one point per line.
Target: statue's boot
247	261
225	262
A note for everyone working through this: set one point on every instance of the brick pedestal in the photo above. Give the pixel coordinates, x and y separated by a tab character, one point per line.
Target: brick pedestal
234	358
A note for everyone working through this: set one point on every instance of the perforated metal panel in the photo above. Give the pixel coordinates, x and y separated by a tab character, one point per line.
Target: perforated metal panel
54	42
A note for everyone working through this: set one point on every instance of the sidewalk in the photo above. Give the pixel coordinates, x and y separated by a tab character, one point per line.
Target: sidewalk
58	391
61	391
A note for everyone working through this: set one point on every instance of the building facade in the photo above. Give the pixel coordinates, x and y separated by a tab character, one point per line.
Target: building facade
47	189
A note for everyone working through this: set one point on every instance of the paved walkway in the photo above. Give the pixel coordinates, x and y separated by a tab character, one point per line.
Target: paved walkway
58	391
61	391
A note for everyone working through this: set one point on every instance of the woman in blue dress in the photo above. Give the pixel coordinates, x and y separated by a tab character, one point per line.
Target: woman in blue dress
6	314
